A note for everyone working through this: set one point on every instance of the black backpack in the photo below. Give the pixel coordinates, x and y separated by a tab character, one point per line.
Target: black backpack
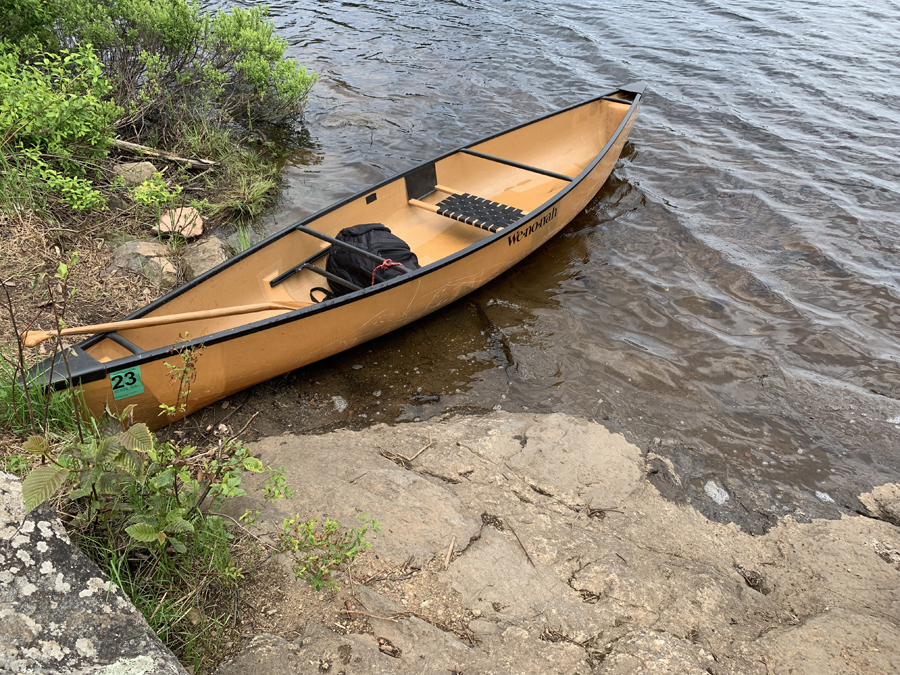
363	272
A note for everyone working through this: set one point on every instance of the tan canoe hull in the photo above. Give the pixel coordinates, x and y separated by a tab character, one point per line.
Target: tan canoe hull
244	354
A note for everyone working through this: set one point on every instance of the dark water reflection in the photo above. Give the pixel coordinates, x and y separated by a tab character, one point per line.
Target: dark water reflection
732	293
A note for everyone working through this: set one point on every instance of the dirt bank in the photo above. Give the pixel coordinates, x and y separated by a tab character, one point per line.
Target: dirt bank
522	543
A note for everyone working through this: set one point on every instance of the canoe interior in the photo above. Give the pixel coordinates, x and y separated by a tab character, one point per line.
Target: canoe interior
565	143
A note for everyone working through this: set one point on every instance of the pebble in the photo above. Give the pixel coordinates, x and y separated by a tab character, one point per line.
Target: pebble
718	494
340	403
824	497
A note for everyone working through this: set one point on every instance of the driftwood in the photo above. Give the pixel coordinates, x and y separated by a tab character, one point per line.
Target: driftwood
144	150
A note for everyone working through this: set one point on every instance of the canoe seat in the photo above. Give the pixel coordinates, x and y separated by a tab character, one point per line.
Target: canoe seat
477	211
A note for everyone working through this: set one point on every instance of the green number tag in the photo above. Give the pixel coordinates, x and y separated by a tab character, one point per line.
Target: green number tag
126	382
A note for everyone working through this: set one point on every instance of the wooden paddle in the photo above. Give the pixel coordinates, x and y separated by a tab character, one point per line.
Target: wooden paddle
32	338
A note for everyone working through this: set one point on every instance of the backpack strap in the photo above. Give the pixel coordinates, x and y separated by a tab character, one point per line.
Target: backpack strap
328	294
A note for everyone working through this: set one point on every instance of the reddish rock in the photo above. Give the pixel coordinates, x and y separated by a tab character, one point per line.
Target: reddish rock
185	221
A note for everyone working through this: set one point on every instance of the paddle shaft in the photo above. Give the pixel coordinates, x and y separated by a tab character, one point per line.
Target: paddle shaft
35	337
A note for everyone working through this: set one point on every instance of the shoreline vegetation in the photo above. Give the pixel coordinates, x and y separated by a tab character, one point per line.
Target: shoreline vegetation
120	120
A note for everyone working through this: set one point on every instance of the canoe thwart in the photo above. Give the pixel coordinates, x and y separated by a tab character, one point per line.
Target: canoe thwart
350	247
296	268
332	277
122	342
518	165
423	205
613	99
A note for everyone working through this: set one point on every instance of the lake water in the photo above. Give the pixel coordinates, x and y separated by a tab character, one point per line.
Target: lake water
731	299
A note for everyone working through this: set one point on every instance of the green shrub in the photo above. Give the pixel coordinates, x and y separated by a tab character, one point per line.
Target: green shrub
55	103
165	55
54	114
319	551
28	22
164	72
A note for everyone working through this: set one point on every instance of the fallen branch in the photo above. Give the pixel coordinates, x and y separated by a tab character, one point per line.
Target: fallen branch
403	461
521	545
244	428
144	150
450	552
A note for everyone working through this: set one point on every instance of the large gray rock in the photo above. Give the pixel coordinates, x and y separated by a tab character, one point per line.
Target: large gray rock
568	560
58	612
149	258
202	256
134	173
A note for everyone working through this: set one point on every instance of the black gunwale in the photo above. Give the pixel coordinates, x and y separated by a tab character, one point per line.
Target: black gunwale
102	369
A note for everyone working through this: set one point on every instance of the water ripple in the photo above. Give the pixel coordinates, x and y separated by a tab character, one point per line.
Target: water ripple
736	287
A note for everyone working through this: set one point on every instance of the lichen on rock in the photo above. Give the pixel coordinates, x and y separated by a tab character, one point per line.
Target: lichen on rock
58	613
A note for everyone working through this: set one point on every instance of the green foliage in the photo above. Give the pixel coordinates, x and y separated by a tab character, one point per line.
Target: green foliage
155	193
188	599
243	238
168	54
242	45
54	102
26	406
320	551
143	510
72	72
156	488
54	113
41	484
28	22
276	486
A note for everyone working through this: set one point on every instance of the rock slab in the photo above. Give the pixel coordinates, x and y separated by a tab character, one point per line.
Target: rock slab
58	613
564	558
184	221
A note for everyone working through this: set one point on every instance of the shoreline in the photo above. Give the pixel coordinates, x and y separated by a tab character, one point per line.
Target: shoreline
511	542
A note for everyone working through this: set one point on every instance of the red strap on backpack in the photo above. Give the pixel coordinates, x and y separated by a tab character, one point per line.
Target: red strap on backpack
383	266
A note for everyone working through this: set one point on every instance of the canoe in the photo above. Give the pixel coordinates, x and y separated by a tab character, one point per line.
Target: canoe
468	215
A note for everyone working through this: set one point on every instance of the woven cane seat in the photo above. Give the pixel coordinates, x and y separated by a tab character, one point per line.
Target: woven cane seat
479	212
